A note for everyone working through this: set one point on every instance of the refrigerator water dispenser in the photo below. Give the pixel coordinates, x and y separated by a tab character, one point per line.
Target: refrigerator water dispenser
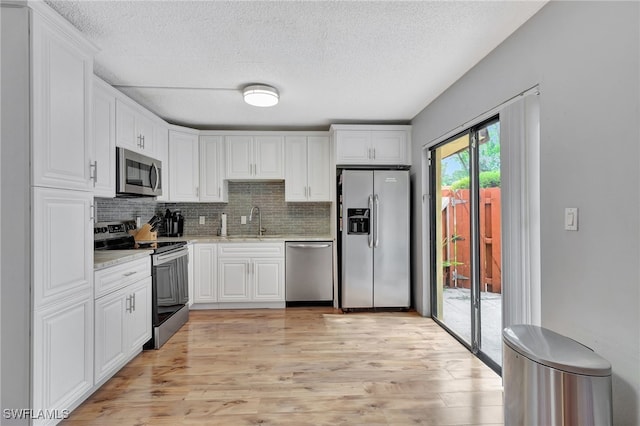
358	221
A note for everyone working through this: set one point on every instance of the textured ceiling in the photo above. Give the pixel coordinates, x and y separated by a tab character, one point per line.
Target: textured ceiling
333	62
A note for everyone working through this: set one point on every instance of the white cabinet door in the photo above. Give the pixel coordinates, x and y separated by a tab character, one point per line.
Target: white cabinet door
389	146
146	128
295	179
254	157
104	141
62	86
307	168
213	187
62	244
127	135
161	145
353	147
233	280
122	326
138	314
205	273
268	157
184	174
191	274
62	352
372	145
134	128
268	279
319	178
239	153
110	331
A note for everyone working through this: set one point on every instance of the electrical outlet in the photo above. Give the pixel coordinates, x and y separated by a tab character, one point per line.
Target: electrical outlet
243	220
201	220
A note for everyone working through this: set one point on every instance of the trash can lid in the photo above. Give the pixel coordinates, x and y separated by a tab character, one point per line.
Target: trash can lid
555	350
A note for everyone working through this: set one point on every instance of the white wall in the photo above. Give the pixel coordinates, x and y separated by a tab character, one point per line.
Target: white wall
585	56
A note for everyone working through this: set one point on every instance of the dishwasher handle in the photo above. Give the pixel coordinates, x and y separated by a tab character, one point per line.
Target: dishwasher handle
308	245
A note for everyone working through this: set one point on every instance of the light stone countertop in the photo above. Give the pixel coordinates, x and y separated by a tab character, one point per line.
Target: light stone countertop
105	258
246	238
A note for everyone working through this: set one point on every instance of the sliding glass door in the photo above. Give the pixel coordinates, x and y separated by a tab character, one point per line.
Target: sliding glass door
466	269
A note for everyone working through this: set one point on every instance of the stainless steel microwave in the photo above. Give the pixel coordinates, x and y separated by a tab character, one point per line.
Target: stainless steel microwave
137	174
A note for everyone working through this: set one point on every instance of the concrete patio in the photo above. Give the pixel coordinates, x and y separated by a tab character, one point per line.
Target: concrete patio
457	316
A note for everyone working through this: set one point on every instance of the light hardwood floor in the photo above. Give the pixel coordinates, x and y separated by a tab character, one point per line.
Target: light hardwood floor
300	366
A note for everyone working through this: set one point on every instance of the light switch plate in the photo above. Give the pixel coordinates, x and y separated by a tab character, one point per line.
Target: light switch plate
202	220
571	219
243	220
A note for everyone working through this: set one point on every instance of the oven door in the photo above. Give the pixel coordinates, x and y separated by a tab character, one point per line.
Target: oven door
170	283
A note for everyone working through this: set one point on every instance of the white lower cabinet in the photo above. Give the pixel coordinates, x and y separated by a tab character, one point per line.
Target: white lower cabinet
62	353
122	321
238	275
205	273
252	272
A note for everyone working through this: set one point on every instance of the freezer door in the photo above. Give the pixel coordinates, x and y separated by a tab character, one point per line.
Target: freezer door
391	239
357	255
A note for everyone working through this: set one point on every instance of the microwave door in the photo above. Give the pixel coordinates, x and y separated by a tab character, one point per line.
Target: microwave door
154	177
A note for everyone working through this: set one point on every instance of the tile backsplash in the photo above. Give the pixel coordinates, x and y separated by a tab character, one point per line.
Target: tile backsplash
278	217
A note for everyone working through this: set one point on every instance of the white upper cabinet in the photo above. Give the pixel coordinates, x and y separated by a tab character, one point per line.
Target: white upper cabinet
213	187
134	127
161	144
372	145
254	157
62	70
184	175
104	140
307	168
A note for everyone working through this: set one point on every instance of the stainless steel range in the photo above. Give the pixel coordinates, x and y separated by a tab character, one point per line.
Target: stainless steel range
169	263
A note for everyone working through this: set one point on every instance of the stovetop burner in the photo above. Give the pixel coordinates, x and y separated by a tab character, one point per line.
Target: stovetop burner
115	236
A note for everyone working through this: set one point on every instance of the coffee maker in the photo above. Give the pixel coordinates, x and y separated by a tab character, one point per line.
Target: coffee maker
173	223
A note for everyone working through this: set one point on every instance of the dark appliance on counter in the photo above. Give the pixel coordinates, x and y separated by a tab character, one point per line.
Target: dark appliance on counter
173	224
137	175
170	288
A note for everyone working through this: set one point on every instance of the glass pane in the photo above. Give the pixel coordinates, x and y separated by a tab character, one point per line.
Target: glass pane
453	228
490	226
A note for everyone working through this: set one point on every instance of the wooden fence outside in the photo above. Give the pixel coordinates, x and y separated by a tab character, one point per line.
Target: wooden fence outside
456	239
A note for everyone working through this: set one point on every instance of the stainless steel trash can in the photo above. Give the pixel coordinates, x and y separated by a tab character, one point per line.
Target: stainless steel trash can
550	379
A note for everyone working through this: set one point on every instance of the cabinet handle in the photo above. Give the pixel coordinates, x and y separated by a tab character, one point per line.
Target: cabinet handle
142	141
374	153
128	305
92	213
197	191
128	274
219	195
139	143
133	303
93	172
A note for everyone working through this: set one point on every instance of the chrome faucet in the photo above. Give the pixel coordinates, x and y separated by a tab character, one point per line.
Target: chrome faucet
260	228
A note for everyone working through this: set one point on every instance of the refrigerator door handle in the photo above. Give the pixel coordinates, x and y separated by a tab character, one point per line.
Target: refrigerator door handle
370	236
377	222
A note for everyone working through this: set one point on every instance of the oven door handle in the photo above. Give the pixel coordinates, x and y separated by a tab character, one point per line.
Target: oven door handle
159	259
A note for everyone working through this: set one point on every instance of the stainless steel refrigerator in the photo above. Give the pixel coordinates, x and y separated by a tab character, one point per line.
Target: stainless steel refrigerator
374	239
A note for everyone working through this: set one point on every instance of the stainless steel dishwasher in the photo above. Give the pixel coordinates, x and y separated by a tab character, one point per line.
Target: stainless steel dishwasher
309	272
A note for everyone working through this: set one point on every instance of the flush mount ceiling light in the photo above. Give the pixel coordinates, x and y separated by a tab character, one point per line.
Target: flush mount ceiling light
261	95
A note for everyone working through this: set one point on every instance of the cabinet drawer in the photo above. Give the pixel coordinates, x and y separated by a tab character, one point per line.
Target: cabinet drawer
118	276
251	250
